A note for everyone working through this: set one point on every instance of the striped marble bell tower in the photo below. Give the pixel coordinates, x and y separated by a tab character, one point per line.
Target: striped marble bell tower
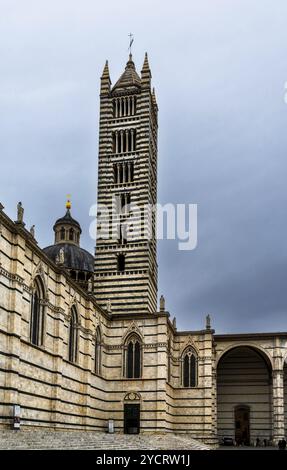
125	262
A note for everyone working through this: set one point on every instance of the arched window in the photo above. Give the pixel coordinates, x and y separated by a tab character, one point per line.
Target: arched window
73	336
62	233
133	359
168	360
37	313
98	352
71	234
189	368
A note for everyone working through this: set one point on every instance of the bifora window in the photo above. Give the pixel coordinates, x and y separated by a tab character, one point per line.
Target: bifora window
73	336
98	351
189	368
133	357
37	313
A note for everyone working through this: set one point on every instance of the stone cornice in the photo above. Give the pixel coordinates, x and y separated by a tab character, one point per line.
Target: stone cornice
248	336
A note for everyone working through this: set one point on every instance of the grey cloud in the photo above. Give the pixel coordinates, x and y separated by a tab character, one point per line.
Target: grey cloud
219	70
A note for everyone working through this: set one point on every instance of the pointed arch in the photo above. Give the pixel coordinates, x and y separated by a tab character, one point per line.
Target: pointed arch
73	335
133	329
133	357
169	356
98	351
189	368
37	311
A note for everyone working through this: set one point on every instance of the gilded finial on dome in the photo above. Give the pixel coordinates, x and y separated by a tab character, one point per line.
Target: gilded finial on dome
68	203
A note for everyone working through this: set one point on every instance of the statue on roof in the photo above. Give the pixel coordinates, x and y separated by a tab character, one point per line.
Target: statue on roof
20	213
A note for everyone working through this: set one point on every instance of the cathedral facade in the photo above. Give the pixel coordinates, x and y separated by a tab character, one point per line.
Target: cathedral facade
82	340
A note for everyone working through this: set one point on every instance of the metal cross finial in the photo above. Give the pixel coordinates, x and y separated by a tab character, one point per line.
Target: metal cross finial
131	36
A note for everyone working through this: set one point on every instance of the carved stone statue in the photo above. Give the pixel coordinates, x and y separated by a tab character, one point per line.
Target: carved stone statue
174	323
20	213
109	306
90	285
61	256
32	231
162	303
208	322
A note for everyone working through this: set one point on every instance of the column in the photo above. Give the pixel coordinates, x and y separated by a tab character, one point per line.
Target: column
129	172
117	142
125	108
278	405
129	103
122	141
127	140
118	173
132	138
124	173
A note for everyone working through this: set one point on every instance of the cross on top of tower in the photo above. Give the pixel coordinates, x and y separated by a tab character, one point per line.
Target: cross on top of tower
131	36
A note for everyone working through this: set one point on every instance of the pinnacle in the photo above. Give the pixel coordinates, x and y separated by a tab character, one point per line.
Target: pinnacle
106	72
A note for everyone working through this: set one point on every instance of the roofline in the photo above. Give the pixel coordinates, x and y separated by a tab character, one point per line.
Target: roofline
234	336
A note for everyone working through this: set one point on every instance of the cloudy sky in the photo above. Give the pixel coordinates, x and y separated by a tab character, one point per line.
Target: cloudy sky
219	68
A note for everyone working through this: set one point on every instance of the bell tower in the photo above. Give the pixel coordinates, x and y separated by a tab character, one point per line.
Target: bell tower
125	265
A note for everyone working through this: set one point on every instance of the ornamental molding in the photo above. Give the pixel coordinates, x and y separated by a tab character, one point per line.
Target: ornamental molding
154	345
190	343
144	346
12	277
132	396
133	328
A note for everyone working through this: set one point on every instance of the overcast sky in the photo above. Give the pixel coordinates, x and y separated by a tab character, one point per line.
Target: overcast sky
219	68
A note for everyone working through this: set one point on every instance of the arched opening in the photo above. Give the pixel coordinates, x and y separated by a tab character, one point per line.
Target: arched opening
131	417
244	396
189	368
133	357
62	233
285	394
71	234
98	351
73	335
169	360
37	313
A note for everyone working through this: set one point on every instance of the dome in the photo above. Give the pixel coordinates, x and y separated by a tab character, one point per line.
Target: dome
66	251
75	258
67	219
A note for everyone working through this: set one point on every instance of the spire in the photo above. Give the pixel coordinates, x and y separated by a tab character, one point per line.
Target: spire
146	73
154	99
105	79
130	77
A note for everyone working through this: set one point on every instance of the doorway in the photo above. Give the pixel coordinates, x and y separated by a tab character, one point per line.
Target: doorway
132	418
244	375
242	425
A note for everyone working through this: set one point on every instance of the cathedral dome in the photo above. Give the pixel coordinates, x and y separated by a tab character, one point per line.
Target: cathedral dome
66	250
73	256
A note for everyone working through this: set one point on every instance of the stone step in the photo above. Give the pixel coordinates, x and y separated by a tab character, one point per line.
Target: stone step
49	439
